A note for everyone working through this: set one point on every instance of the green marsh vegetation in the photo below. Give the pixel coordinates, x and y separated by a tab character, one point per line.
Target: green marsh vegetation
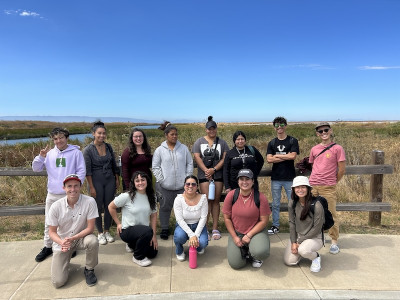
358	139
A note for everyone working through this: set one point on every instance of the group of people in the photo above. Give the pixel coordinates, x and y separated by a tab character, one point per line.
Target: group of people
71	216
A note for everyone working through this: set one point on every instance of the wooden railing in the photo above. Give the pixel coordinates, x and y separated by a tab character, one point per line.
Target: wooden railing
376	205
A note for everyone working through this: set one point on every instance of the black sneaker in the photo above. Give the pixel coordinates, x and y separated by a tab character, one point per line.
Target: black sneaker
91	279
164	234
273	230
43	254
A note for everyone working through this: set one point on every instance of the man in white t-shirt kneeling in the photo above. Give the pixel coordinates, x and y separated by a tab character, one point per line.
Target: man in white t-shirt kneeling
71	222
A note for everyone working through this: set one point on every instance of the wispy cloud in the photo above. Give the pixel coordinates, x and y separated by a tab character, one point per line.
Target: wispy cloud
378	67
306	66
23	13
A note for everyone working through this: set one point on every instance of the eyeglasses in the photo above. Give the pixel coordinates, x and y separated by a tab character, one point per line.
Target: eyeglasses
323	130
279	125
188	184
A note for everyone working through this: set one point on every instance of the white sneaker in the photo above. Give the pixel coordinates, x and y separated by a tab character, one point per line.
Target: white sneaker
128	249
181	257
201	251
143	262
256	263
334	249
316	265
102	239
108	237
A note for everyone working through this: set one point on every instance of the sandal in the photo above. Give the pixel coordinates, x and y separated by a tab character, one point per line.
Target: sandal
216	235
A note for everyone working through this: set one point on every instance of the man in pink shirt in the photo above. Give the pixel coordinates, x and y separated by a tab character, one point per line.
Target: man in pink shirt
328	168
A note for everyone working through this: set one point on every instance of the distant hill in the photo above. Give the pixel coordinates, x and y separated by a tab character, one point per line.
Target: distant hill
71	119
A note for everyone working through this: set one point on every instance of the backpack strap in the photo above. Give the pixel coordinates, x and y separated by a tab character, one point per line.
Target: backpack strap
312	209
327	148
251	148
256	197
235	196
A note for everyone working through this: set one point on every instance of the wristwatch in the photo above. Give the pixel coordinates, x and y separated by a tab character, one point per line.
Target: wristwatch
215	170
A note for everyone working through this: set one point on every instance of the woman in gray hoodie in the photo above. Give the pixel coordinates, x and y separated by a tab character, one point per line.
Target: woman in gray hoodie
172	162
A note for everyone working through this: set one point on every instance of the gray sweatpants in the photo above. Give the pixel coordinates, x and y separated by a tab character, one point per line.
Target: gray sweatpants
259	249
166	204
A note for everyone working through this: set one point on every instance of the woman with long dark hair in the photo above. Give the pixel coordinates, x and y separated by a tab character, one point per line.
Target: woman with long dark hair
136	157
102	176
139	218
172	162
190	209
305	226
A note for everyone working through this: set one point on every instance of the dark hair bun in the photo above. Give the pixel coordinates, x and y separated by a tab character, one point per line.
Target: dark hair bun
98	123
164	125
210	118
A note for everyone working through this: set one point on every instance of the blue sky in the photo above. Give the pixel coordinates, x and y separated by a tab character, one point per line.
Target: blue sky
236	60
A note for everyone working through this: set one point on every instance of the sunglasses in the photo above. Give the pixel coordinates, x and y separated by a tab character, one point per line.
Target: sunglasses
279	125
190	184
323	130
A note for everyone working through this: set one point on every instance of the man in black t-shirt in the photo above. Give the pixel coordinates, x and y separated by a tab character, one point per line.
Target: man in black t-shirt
281	152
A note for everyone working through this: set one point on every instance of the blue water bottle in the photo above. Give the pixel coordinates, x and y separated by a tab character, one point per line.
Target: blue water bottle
211	190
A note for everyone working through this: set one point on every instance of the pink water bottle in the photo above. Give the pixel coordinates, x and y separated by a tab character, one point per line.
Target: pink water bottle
192	257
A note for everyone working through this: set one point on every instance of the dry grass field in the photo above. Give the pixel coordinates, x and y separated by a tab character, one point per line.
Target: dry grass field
358	139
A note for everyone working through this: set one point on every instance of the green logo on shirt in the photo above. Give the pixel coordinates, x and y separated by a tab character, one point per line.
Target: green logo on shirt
60	162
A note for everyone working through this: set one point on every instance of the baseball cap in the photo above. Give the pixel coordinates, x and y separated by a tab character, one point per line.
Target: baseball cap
245	173
72	177
322	124
300	180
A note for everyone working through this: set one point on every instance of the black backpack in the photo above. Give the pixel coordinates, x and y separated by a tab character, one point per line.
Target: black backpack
256	197
328	223
328	215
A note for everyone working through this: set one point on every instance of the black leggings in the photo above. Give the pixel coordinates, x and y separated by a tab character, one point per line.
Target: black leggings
138	238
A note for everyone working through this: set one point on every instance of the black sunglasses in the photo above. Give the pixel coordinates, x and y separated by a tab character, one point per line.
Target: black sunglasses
190	184
323	130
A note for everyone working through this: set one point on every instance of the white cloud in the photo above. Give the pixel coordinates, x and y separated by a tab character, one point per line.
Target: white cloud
378	67
23	13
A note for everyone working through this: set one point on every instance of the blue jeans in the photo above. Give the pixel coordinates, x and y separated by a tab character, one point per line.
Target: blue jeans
276	189
180	238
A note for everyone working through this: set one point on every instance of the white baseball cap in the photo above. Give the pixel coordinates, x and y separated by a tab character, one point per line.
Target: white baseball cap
300	180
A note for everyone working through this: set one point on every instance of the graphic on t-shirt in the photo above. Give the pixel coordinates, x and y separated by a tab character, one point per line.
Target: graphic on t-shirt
205	150
281	148
60	162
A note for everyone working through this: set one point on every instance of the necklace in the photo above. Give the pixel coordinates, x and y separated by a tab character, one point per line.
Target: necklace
245	199
242	156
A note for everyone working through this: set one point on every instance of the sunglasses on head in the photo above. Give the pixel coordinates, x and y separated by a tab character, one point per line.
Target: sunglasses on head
323	130
190	184
279	125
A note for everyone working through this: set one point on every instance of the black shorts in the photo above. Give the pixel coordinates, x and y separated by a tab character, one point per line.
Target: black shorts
205	180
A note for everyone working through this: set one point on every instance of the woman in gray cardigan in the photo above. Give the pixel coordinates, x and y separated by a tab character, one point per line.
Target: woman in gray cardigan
172	162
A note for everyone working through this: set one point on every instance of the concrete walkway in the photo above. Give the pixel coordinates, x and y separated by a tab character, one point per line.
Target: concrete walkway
366	268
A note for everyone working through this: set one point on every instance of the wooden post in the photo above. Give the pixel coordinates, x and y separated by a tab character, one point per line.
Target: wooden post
376	187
